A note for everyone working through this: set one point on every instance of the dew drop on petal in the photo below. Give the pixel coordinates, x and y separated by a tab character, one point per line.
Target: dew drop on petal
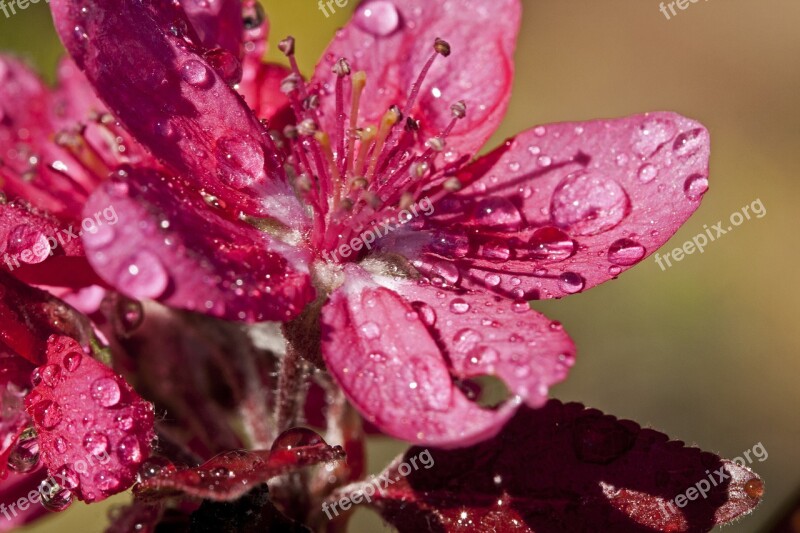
240	161
689	143
754	488
105	392
51	374
425	312
380	18
106	481
296	438
647	173
459	306
625	252
570	282
370	330
25	455
196	73
466	340
695	186
27	238
588	204
47	414
144	276
56	500
96	443
492	280
154	466
497	212
72	361
550	244
652	133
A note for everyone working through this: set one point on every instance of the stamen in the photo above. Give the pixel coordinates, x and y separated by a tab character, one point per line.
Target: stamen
392	117
341	69
359	81
367	140
325	142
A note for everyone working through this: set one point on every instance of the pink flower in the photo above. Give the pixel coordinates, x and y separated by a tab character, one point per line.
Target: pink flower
368	217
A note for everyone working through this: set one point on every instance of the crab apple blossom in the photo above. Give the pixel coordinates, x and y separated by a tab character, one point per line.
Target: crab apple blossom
238	282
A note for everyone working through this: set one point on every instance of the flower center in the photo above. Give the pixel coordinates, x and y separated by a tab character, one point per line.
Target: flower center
358	177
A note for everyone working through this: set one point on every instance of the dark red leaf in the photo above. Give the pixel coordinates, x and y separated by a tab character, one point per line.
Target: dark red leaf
566	468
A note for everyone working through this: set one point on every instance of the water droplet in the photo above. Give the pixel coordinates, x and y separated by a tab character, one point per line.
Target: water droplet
492	280
466	340
653	133
459	306
105	391
225	64
520	307
555	325
588	204
689	143
695	186
370	330
240	161
647	173
67	478
124	422
25	455
379	18
754	488
54	498
96	443
570	282
625	252
51	375
106	481
197	74
539	131
60	445
154	466
378	357
426	313
72	361
165	129
614	270
495	251
221	472
296	438
550	244
47	414
497	212
144	277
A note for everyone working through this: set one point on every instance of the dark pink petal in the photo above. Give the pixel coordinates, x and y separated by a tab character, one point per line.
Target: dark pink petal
27	153
566	468
93	429
171	94
392	41
262	90
484	335
379	349
28	316
564	207
218	24
231	475
138	516
30	237
74	100
171	246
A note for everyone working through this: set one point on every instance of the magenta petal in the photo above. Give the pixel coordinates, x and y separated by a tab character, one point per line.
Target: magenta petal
485	335
379	350
94	431
392	41
566	468
176	101
169	245
564	207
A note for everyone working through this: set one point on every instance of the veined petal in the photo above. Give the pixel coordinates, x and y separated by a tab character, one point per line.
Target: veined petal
218	24
564	207
169	245
172	94
485	335
380	351
391	42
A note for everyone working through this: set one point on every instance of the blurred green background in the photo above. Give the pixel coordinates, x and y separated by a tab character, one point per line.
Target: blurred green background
706	351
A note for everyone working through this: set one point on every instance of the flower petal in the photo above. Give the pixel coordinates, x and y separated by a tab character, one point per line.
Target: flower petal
381	353
565	207
566	468
484	335
15	380
392	41
169	245
218	24
172	95
93	429
19	486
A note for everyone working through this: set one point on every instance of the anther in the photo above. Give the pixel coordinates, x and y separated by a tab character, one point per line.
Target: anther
358	183
419	169
287	46
290	84
442	47
312	102
412	125
452	184
406	200
390	118
459	109
341	68
307	127
290	132
436	144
